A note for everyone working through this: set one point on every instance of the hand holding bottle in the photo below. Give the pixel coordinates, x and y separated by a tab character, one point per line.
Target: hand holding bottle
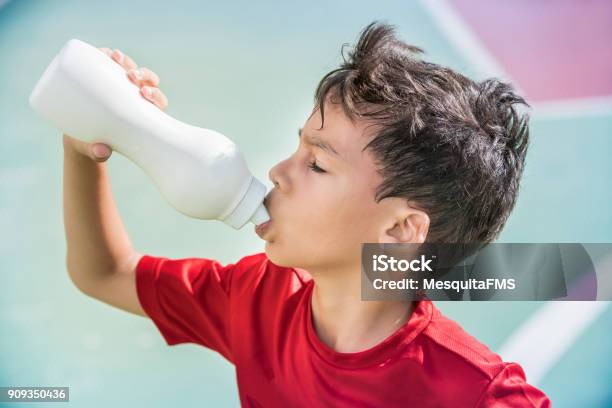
199	171
142	77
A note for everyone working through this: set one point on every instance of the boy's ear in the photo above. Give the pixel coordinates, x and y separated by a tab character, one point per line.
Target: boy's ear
409	226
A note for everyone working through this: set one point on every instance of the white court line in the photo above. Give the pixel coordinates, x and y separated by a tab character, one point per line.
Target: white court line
466	41
546	336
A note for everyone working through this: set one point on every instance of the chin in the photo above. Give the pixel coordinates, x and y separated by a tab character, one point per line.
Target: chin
278	257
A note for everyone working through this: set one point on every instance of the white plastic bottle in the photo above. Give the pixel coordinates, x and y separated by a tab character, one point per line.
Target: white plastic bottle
200	172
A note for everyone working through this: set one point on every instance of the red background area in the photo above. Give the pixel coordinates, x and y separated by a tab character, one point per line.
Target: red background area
553	49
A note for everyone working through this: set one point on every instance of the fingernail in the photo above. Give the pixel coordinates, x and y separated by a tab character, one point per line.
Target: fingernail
100	151
119	56
147	91
135	73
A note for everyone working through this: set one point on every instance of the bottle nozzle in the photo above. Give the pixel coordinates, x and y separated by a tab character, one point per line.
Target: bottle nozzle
261	215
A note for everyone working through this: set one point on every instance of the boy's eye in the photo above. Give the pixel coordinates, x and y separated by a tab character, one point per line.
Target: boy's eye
314	167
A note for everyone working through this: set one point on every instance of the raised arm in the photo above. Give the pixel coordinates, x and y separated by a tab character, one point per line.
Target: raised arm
100	258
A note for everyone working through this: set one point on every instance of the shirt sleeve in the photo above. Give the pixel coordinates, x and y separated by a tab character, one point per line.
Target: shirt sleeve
509	388
188	300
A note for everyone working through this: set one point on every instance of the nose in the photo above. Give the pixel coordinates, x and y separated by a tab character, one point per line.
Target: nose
278	176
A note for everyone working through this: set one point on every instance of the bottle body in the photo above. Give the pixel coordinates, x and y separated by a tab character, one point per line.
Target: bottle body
200	172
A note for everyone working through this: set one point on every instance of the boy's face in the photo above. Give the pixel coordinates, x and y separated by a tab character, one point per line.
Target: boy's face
319	219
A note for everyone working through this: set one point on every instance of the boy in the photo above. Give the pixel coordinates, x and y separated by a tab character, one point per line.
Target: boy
396	150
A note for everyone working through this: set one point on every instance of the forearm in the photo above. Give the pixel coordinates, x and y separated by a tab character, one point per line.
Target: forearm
96	240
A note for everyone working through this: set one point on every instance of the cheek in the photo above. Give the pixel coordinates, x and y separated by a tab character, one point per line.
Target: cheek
327	226
339	214
322	203
354	216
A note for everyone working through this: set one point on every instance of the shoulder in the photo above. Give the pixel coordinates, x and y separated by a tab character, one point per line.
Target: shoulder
471	367
454	343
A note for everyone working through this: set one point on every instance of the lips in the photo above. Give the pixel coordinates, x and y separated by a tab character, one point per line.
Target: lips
261	229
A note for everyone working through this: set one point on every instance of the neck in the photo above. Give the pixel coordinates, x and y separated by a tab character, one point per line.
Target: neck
346	323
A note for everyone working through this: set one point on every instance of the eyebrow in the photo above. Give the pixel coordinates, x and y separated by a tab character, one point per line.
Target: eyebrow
320	143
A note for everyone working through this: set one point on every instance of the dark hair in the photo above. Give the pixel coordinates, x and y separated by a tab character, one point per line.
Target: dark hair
453	147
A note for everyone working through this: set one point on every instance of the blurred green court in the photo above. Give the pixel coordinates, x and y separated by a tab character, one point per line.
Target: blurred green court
249	70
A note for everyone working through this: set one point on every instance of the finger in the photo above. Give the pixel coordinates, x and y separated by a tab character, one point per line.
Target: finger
125	61
155	96
100	152
143	76
107	51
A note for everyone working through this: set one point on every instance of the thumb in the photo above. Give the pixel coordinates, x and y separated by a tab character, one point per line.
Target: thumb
100	152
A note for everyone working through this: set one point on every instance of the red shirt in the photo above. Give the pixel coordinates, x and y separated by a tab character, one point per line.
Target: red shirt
258	316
